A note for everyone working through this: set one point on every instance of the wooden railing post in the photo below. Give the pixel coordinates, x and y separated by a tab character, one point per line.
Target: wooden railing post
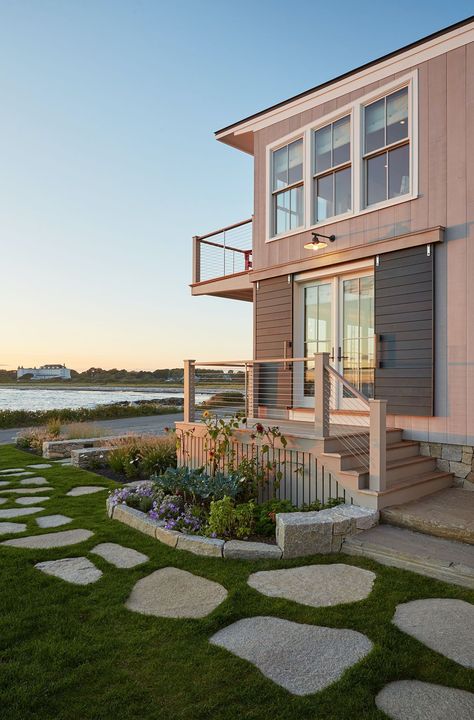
321	395
196	259
189	391
378	445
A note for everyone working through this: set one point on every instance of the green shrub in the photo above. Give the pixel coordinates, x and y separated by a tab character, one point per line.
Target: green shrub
265	513
140	457
229	520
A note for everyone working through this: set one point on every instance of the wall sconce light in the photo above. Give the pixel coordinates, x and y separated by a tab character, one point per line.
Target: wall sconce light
316	244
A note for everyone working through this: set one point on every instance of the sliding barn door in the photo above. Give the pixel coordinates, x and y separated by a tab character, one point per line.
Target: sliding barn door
404	328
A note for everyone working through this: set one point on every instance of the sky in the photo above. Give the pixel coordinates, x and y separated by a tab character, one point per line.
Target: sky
109	165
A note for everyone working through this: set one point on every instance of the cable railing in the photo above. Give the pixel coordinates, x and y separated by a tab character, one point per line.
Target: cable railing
224	252
305	396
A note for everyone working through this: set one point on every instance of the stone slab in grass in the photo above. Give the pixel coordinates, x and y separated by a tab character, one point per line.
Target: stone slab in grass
34	481
444	625
120	556
175	593
40	466
10	527
50	540
26	491
30	500
3	500
24	473
79	571
50	521
4	483
415	700
11	470
85	490
303	659
19	512
315	585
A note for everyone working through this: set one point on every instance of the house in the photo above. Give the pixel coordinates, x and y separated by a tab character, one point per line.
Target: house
359	262
45	372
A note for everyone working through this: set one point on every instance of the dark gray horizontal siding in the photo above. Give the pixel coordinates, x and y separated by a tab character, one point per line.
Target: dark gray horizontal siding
404	313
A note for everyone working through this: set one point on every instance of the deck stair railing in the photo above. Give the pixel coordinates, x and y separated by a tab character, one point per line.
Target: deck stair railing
223	252
291	392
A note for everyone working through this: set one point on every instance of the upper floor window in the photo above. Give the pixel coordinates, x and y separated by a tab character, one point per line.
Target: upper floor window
332	170
288	187
386	148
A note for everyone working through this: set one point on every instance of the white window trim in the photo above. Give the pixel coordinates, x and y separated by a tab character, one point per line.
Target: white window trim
356	112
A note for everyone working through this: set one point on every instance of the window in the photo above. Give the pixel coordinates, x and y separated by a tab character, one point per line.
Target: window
287	188
386	148
332	170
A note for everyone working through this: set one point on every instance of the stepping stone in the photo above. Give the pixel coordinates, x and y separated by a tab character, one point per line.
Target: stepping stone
303	659
11	470
50	540
3	483
415	700
121	557
50	521
174	593
34	481
9	527
3	500
40	466
30	491
79	571
29	500
85	490
315	585
18	512
444	625
18	474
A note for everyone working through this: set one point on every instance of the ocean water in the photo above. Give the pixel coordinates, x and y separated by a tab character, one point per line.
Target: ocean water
52	399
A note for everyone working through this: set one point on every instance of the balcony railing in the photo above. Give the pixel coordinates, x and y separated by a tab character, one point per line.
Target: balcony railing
224	252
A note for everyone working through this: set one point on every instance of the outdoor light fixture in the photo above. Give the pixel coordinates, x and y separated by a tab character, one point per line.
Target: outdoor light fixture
316	244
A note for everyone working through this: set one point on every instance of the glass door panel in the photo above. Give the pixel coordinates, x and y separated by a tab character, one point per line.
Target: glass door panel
318	330
357	358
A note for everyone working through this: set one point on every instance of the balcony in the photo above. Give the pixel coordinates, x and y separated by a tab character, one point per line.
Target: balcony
222	261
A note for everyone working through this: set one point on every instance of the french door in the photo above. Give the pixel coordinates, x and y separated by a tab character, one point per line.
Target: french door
336	315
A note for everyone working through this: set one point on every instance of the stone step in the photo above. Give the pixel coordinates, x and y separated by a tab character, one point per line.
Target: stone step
448	513
435	557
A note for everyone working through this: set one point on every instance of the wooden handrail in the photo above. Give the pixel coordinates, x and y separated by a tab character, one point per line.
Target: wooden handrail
224	229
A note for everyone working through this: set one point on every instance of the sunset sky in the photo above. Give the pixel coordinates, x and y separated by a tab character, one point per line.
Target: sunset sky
108	164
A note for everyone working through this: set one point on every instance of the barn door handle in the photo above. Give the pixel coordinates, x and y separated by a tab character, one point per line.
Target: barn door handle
378	350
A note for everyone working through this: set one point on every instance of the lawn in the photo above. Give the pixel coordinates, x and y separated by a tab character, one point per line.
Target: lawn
71	652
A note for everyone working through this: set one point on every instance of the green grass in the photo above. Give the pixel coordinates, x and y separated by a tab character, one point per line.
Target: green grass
35	418
70	652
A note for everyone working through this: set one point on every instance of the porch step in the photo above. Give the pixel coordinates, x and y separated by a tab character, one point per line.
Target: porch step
406	490
347	460
398	472
448	513
334	444
435	557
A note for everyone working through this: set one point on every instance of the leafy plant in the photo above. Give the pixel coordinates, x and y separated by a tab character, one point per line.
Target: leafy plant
229	520
265	515
197	485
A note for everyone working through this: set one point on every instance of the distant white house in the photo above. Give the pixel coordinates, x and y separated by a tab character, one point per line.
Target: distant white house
45	372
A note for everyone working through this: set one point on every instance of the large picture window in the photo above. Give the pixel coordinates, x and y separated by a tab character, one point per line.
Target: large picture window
288	188
386	148
332	170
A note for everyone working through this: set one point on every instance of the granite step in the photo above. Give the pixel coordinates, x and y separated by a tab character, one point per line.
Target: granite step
435	557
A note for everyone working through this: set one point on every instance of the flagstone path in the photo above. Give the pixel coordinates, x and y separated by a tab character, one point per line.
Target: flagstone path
10	527
120	556
315	585
50	540
444	625
301	658
85	490
19	512
79	571
28	500
50	521
414	700
34	481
